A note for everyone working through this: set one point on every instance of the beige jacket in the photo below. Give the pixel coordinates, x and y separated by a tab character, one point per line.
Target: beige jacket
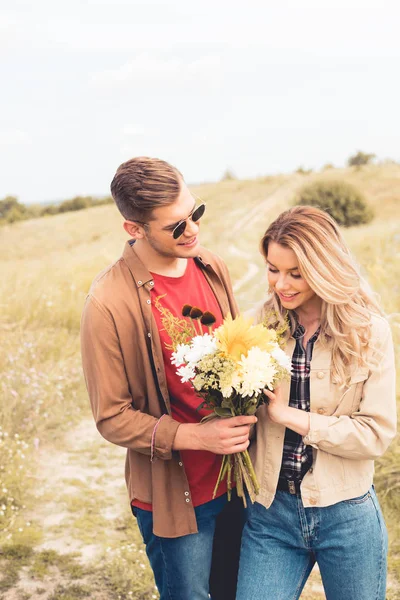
125	377
349	427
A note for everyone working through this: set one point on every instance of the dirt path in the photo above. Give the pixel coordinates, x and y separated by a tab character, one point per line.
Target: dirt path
279	196
81	514
83	465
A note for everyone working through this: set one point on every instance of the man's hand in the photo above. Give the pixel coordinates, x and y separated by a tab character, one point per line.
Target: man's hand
220	436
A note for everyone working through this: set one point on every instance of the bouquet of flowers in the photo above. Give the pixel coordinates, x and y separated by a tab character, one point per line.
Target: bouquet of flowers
229	367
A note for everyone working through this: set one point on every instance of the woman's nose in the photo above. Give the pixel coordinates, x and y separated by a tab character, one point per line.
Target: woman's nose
281	283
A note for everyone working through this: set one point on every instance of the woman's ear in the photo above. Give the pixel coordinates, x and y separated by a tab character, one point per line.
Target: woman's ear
135	230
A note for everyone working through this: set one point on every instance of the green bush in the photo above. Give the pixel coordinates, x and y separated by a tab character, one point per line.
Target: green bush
341	200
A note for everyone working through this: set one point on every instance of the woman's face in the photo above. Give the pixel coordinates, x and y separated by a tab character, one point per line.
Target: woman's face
285	279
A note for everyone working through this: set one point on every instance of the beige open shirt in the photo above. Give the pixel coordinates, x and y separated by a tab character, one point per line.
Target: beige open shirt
125	377
349	428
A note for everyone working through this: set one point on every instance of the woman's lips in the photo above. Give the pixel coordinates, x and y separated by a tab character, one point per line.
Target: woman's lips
289	297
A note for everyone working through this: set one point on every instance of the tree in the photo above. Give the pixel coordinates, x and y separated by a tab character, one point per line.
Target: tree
359	159
11	210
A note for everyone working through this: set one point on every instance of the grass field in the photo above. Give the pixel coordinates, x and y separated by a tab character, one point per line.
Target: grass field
65	529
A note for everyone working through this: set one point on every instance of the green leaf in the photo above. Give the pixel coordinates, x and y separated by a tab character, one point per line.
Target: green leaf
226	403
222	412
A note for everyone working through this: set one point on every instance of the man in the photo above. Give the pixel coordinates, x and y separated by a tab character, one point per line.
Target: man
137	399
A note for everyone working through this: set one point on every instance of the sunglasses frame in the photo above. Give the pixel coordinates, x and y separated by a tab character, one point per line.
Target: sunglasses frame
176	233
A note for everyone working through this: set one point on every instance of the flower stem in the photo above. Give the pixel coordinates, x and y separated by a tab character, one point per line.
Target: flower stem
222	472
252	473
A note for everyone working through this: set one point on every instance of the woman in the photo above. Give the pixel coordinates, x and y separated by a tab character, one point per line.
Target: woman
319	434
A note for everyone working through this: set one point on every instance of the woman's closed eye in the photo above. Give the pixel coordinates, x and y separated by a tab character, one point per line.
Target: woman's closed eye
294	275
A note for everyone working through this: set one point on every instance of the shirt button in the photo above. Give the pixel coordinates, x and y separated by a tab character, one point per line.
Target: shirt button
187	500
140	282
320	374
186	493
310	470
321	411
180	464
151	282
149	335
148	301
313	501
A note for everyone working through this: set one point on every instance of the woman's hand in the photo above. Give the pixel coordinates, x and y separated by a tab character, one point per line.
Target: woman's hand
279	412
276	406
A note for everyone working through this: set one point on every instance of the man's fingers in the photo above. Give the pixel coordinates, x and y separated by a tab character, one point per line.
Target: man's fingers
237	448
232	432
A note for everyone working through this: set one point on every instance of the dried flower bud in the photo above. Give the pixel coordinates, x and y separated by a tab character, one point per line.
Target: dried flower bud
186	310
208	318
196	313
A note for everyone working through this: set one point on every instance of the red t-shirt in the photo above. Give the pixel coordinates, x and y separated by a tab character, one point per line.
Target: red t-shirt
201	467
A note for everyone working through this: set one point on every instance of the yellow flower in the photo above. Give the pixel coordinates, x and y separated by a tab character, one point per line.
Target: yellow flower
235	337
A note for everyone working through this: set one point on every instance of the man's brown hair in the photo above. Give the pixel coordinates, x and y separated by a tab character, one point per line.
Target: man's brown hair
142	184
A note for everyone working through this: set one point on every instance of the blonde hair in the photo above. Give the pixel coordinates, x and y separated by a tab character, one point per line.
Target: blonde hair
326	264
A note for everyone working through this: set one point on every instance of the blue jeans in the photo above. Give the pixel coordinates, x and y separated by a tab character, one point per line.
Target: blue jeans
280	546
182	565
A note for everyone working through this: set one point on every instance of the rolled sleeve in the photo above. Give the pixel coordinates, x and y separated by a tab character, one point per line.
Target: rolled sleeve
164	437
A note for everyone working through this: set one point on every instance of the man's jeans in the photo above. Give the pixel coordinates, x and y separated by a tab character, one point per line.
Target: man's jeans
280	545
182	565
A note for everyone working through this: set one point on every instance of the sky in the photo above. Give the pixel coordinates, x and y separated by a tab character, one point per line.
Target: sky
257	87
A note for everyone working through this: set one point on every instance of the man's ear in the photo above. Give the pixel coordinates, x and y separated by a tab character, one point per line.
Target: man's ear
135	230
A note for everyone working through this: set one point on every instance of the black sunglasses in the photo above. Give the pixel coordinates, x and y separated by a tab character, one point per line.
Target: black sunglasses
195	216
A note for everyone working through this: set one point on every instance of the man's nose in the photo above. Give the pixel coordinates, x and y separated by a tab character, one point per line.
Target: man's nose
191	228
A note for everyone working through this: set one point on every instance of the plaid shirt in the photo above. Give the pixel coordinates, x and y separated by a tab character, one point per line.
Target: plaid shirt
297	457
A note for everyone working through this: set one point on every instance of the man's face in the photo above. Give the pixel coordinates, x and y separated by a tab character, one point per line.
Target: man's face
158	231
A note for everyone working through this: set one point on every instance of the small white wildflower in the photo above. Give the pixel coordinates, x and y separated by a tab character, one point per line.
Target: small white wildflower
186	373
178	357
201	346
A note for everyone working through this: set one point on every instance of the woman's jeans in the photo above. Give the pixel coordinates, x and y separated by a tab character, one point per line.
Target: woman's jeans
280	546
182	565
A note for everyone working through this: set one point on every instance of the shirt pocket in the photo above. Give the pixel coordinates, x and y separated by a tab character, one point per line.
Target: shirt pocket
352	395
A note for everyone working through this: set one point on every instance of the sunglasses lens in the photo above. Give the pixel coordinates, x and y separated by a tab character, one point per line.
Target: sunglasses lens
179	229
196	215
199	212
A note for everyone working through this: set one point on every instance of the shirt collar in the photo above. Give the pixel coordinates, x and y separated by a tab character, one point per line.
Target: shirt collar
139	271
